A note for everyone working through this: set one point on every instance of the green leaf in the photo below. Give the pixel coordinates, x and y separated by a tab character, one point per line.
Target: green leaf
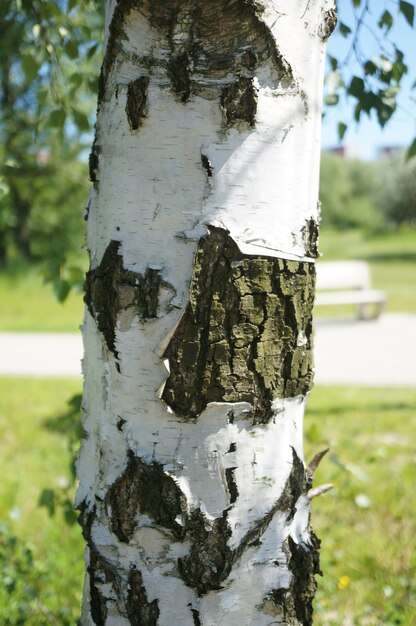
356	3
69	513
386	20
75	276
92	50
344	29
57	118
333	62
341	129
71	49
356	87
30	66
61	289
331	99
76	79
81	120
370	68
47	499
411	151
408	11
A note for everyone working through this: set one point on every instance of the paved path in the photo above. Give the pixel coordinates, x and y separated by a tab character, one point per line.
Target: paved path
369	353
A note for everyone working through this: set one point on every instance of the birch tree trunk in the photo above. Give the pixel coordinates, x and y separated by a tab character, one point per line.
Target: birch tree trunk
202	232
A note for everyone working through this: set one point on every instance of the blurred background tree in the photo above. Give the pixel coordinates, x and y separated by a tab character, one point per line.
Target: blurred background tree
370	195
49	62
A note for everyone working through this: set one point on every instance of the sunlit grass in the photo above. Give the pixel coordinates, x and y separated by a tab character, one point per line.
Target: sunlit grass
367	523
28	304
34	456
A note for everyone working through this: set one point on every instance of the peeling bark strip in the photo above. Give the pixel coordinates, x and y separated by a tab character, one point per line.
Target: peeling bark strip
140	611
246	333
146	489
222	38
110	288
137	101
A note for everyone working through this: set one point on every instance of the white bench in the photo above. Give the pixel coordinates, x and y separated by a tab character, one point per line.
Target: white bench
348	282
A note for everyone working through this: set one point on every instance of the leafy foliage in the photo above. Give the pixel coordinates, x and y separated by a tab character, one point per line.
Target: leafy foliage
373	81
69	425
370	195
347	193
396	196
49	58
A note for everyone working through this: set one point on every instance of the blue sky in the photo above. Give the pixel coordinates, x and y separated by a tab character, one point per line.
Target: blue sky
367	136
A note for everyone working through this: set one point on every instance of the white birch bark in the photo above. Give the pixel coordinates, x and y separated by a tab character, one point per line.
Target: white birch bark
193	489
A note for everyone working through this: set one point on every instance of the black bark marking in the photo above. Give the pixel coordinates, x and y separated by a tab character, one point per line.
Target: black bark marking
246	333
110	288
310	235
294	603
147	489
179	74
136	105
295	486
140	611
229	477
196	617
239	101
328	25
99	570
93	162
206	164
210	559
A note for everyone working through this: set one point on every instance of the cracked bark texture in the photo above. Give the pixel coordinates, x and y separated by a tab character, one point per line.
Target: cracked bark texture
246	333
202	230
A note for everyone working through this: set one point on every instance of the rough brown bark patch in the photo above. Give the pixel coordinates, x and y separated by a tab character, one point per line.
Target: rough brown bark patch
140	611
137	101
147	489
246	333
239	101
110	288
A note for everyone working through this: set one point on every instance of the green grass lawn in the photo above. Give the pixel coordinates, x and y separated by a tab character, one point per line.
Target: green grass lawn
41	557
28	304
367	523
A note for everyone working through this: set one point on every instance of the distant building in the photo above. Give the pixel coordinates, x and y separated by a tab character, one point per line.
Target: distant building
390	150
351	151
